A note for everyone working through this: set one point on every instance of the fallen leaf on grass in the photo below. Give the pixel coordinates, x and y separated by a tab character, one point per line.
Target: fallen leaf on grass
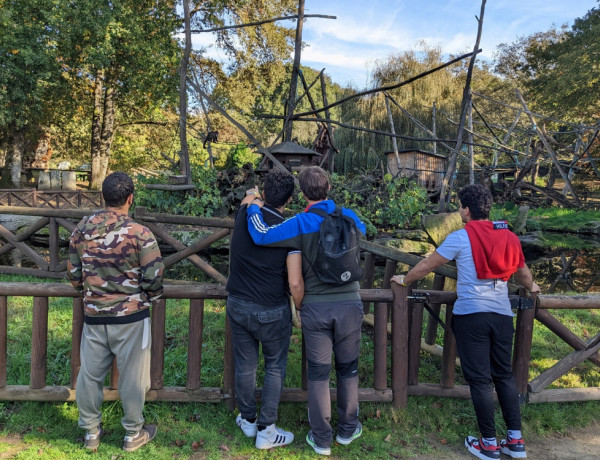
443	441
378	414
388	438
224	448
367	447
198	444
41	429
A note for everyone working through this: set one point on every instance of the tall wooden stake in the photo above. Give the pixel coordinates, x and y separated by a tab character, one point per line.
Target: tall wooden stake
470	139
393	131
287	129
446	188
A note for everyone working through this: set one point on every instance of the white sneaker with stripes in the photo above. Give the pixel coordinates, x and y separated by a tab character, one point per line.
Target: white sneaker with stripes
272	436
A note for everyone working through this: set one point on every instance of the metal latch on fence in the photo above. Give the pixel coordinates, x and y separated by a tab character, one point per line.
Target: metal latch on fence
423	297
522	303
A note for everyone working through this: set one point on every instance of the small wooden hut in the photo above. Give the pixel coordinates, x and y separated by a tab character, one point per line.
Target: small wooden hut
428	168
290	154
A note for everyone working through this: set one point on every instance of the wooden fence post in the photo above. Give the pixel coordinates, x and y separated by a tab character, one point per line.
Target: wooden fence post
449	353
113	381
415	315
380	345
39	343
157	362
369	277
194	361
431	333
3	339
229	369
522	347
53	243
76	333
399	346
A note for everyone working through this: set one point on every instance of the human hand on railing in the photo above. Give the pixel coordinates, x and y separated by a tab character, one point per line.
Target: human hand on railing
535	289
398	279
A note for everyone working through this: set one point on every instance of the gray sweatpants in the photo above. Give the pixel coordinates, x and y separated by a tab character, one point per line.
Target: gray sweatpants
332	327
130	343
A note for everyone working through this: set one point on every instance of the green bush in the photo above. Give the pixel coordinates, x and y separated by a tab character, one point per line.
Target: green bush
205	200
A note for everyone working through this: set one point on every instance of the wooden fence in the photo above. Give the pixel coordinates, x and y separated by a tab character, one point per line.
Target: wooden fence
397	312
400	353
54	199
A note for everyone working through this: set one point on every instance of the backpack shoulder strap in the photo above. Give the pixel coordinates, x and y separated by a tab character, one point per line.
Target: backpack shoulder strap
318	212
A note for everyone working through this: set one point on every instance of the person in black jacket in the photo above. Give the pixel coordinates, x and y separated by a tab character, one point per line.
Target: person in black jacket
258	312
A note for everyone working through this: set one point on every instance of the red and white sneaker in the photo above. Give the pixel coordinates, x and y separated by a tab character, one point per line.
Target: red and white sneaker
478	448
514	448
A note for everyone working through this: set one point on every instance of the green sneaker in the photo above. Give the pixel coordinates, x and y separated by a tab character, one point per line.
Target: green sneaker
345	441
319	450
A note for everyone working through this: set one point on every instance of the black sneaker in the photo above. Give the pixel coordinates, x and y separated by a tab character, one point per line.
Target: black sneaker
144	436
514	448
479	449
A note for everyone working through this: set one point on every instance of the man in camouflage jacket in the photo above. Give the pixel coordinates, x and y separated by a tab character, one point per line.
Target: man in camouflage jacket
117	265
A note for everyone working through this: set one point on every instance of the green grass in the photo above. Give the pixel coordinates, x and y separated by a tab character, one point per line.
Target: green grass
428	427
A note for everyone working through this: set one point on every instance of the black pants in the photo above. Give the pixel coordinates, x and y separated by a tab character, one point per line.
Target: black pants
484	342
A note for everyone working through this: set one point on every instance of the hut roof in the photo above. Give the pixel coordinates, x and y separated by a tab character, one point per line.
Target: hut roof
292	148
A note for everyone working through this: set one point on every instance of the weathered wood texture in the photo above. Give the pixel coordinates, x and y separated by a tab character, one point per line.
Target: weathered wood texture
405	328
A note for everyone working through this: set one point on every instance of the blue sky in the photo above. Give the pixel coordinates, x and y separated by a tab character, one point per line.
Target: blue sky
367	30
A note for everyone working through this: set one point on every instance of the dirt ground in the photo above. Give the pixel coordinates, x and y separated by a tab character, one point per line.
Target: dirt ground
578	444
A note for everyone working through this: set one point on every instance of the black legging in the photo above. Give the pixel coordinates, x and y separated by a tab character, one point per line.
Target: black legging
484	342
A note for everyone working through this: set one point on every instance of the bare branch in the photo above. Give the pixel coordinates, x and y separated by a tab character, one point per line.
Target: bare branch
258	23
387	88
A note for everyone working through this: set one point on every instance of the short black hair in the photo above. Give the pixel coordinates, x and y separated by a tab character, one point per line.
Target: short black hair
116	188
478	199
314	183
278	187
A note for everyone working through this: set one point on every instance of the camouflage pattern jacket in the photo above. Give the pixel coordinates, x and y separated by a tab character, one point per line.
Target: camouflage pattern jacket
117	265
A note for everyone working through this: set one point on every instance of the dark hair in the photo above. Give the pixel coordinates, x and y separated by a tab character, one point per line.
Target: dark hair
278	187
314	183
116	188
478	199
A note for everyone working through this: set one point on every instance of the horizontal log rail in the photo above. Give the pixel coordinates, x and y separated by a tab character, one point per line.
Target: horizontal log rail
53	199
401	306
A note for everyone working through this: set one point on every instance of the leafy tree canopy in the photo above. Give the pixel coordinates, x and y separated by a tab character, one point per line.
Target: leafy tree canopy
559	68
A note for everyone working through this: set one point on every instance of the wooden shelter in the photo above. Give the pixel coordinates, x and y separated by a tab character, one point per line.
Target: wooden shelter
428	168
291	155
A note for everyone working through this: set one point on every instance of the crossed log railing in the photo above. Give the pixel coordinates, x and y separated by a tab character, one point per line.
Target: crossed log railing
405	324
405	327
54	199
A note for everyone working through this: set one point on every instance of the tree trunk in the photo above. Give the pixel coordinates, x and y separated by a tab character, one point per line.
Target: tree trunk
291	103
184	152
11	174
96	178
103	131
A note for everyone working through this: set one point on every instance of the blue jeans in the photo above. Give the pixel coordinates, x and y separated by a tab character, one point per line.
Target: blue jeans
252	323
